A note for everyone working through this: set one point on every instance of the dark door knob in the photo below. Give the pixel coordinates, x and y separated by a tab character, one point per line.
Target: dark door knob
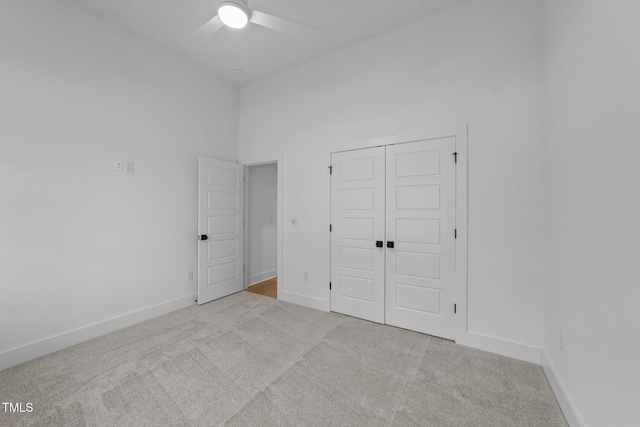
378	243
390	244
203	237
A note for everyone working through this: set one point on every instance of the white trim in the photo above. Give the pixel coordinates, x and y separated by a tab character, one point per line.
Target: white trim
327	289
261	277
49	345
278	160
434	131
564	400
462	182
245	221
306	301
507	348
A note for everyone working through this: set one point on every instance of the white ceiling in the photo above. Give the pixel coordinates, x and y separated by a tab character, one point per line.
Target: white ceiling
258	51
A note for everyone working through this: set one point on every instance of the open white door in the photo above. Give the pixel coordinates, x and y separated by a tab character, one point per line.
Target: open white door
220	224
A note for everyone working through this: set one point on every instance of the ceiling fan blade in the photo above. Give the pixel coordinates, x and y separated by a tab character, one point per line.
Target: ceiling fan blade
196	39
285	26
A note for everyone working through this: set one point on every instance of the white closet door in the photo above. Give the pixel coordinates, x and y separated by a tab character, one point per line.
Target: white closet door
357	219
420	221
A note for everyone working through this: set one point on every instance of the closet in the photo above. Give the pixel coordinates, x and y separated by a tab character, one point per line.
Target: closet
393	235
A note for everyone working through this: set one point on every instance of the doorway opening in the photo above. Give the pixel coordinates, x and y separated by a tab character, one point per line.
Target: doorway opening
261	229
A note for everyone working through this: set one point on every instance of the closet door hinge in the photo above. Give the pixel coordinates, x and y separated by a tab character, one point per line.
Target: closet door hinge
455	157
455	233
330	228
455	308
329	285
330	170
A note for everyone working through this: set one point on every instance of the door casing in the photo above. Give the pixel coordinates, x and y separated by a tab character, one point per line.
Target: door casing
277	159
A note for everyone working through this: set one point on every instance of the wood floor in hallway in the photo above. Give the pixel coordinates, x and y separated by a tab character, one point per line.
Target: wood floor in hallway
268	288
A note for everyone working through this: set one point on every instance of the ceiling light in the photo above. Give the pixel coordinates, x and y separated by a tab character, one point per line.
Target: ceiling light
234	13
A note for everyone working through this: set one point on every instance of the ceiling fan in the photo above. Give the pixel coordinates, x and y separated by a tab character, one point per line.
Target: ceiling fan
236	14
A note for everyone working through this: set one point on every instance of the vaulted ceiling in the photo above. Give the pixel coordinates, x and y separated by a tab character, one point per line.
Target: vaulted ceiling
259	51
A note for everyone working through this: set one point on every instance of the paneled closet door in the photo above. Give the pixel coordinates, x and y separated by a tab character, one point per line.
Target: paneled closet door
357	220
420	223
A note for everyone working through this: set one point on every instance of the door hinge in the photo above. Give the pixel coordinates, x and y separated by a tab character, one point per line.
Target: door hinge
455	233
455	157
330	228
455	308
330	170
329	285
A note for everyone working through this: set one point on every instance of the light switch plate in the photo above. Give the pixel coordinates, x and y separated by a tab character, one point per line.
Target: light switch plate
128	166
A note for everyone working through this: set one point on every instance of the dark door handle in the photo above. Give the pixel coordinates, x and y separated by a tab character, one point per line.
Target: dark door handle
378	243
390	244
203	237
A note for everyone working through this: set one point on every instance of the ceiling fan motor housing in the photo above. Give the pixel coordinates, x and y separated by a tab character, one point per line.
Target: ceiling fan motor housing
234	13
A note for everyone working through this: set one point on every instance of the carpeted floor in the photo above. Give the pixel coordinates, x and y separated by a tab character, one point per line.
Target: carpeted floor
249	360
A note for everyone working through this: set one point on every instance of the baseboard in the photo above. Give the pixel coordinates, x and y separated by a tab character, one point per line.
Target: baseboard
566	404
49	345
257	278
503	347
303	300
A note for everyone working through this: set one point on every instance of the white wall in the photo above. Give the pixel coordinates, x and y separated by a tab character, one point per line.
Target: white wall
79	243
479	63
262	216
592	251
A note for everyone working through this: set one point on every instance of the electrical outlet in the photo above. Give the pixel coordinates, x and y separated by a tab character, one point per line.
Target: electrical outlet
561	343
190	275
118	165
305	276
128	166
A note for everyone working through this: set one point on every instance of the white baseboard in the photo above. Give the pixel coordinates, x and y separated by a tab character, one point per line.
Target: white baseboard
503	347
564	400
303	300
49	345
257	278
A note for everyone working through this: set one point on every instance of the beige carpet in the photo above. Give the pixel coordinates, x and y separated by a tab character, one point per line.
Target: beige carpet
249	360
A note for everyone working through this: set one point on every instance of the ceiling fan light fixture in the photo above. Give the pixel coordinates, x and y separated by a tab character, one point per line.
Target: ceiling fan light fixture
234	13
